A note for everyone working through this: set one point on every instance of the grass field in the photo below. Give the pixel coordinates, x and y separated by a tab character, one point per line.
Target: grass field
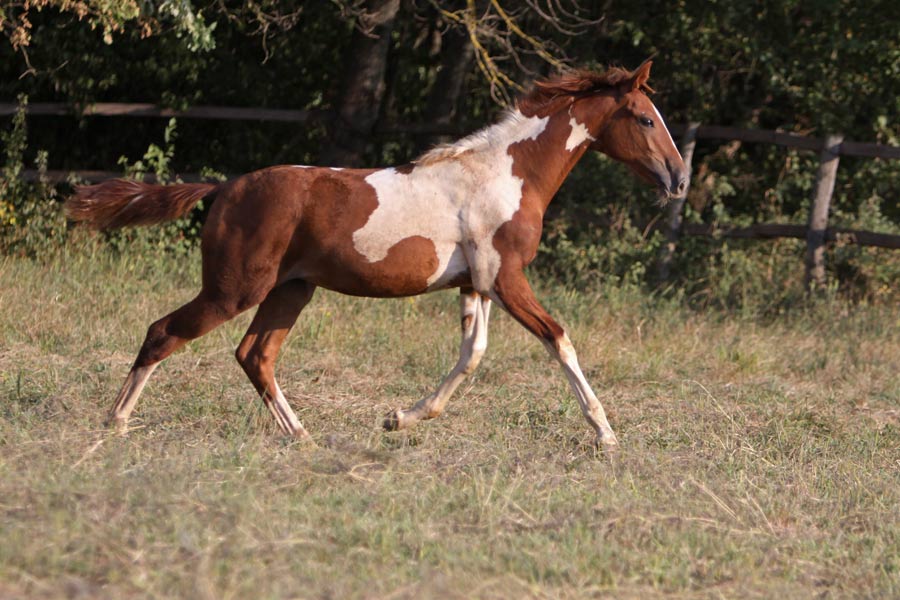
758	459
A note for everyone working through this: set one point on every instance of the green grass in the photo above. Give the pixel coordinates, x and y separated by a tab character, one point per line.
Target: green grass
758	459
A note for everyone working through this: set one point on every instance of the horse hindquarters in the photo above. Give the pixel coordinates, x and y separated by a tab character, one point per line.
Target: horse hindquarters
241	259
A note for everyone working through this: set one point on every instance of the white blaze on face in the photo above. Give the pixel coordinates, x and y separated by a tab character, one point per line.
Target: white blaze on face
458	204
662	122
579	133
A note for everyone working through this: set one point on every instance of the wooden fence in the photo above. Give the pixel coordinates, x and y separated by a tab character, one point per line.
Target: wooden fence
816	231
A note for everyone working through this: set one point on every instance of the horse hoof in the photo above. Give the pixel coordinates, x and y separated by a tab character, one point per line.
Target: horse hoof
302	440
392	422
608	443
610	446
119	426
300	434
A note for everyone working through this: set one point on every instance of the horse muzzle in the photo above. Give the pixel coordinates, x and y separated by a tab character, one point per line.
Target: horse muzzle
672	183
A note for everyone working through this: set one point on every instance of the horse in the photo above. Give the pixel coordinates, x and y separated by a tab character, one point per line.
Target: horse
465	215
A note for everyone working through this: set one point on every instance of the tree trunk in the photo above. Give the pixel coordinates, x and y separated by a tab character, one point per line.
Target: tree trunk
443	99
673	225
363	87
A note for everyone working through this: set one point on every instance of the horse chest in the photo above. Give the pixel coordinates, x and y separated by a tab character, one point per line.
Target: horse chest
458	207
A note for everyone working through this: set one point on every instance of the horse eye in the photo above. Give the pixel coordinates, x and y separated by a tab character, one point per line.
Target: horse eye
645	121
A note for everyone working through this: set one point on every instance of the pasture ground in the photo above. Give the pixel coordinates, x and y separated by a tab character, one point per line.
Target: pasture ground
759	459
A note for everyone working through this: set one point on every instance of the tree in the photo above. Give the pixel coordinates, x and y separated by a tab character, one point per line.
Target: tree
109	16
359	104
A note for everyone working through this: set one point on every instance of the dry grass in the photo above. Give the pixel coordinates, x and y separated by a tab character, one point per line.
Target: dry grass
758	460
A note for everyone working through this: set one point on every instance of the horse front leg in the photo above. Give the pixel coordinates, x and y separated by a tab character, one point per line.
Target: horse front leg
513	293
474	312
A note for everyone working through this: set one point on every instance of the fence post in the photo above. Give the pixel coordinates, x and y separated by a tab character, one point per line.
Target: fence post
818	212
673	224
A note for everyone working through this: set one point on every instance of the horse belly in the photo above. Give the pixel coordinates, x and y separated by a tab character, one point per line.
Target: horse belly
413	265
408	269
359	240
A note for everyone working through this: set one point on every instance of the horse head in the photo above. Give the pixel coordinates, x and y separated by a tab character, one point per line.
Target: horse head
635	134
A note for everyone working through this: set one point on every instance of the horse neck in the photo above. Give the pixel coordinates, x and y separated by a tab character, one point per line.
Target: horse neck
545	159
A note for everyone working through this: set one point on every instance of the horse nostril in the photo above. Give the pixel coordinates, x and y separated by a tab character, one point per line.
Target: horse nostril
682	186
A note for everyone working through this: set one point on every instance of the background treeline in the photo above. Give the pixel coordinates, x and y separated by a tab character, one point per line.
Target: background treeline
385	78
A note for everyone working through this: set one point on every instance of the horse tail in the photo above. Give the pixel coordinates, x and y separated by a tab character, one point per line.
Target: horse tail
123	202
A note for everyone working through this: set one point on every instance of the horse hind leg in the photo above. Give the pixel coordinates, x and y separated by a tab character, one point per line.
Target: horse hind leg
258	351
164	337
474	313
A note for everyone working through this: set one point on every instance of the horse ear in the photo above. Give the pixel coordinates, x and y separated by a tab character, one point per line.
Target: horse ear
640	75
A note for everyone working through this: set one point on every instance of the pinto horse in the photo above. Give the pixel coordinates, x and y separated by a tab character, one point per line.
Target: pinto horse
464	215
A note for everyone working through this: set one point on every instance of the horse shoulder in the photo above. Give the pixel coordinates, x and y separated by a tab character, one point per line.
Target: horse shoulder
519	237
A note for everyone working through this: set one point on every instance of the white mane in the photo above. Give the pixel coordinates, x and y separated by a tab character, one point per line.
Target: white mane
514	126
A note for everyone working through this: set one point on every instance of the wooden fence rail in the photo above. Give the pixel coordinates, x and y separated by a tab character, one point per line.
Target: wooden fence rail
768	231
221	113
791	140
816	232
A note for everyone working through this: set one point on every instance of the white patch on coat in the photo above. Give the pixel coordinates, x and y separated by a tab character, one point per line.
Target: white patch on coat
579	133
458	199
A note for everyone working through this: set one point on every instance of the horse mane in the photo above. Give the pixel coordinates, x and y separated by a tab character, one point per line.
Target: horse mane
577	82
573	83
481	139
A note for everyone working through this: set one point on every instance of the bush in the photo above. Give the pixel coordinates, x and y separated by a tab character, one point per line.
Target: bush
31	222
177	237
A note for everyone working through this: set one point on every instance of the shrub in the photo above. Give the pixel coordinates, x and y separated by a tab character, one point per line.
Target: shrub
31	222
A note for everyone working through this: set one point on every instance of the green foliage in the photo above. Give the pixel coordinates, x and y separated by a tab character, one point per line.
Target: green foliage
17	19
189	24
866	272
14	143
826	67
156	160
178	236
595	240
31	222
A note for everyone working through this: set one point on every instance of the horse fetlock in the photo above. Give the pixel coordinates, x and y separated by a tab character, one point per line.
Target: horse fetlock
468	369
